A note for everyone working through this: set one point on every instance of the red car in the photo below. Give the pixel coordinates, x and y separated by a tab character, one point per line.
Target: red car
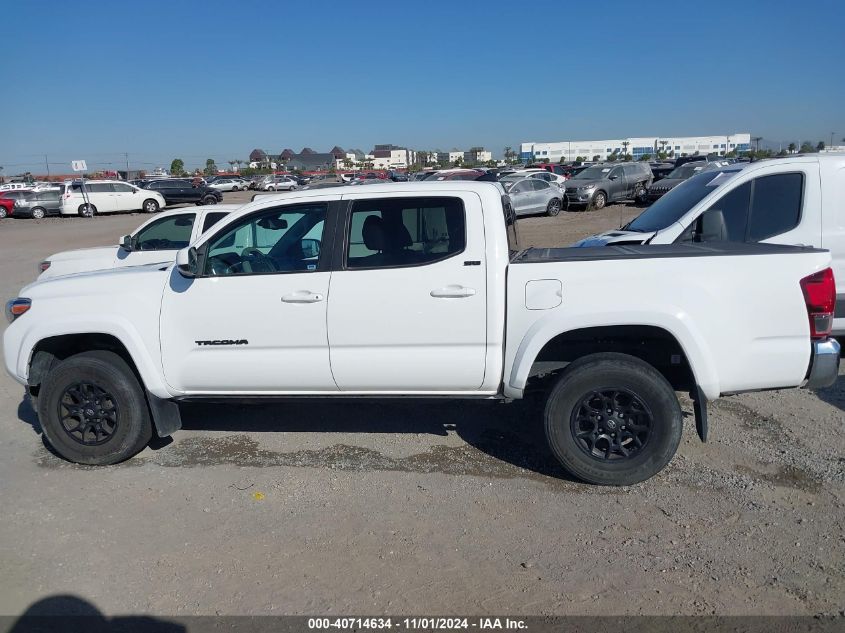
7	201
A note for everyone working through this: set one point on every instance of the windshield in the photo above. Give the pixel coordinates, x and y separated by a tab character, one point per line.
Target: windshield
685	171
672	206
596	172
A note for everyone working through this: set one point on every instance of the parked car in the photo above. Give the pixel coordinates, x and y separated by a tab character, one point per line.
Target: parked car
176	191
599	184
678	175
464	311
277	183
795	200
8	198
229	184
107	196
38	204
7	206
531	195
15	186
156	241
455	174
544	174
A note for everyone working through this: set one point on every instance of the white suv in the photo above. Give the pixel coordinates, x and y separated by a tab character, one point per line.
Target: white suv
107	196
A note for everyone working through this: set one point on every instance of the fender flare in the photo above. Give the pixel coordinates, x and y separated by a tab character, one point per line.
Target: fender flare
678	325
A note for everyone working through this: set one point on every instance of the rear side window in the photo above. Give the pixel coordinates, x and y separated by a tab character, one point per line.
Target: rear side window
396	232
211	219
775	206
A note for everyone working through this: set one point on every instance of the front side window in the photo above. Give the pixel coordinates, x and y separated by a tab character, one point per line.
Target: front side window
279	240
171	233
121	188
404	232
775	206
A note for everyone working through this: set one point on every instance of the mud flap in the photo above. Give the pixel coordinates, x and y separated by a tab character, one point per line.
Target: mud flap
166	416
699	407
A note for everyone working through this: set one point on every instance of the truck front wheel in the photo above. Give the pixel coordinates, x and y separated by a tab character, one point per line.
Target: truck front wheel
92	409
613	419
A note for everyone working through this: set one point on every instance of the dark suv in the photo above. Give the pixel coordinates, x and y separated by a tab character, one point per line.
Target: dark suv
177	191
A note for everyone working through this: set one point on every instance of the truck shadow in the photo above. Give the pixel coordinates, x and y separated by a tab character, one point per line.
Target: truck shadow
511	434
834	395
504	437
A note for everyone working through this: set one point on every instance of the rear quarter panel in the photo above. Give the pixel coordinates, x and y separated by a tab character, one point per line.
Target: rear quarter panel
741	320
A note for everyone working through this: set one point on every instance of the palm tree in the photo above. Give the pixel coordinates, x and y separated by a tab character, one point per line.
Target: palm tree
508	152
231	165
663	145
791	148
625	145
239	162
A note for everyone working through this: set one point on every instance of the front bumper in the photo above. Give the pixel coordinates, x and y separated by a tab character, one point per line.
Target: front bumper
577	197
824	364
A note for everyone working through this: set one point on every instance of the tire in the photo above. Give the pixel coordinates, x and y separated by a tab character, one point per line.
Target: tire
235	188
270	189
37	213
103	384
553	208
209	199
599	201
150	206
591	444
87	211
2	212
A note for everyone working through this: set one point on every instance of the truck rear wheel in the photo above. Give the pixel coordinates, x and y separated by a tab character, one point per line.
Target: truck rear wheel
613	419
92	409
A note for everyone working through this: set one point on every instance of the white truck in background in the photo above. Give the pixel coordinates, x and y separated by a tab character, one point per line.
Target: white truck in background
795	200
156	241
421	289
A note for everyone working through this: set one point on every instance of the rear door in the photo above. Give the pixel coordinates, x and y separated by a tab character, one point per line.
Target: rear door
100	195
407	302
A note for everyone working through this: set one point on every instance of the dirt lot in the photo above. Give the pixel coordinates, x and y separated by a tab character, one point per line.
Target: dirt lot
422	507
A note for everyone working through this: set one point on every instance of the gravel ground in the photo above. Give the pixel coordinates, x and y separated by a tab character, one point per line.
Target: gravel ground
419	507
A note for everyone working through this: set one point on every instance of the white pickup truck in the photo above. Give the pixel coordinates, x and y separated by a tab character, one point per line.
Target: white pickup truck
421	289
156	240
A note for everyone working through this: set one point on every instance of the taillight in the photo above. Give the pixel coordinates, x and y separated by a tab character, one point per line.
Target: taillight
820	297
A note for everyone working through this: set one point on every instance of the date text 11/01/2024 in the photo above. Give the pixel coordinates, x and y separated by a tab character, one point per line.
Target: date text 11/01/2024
432	623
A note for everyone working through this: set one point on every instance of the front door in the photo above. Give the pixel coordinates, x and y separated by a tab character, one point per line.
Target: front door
100	195
158	241
255	321
408	305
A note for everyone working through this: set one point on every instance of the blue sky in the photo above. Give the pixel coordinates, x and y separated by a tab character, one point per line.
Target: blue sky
216	79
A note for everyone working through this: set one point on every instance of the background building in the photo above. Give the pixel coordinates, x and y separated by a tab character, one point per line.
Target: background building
674	146
477	156
449	157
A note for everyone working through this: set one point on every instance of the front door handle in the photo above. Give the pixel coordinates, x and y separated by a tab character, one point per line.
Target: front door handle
452	292
302	296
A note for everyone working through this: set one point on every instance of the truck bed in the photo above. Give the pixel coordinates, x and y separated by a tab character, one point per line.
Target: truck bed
655	251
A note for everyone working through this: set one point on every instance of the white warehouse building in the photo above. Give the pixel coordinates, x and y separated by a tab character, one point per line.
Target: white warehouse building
674	146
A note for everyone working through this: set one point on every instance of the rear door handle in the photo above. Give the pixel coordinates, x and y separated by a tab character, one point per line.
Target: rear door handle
302	296
452	292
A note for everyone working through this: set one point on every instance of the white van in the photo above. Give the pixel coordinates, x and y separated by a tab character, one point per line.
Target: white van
797	200
108	196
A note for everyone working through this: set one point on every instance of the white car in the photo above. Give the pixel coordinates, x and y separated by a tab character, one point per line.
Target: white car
422	290
157	240
107	196
229	184
544	174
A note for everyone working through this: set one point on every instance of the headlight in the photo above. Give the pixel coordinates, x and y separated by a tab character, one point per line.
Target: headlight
44	265
17	307
586	188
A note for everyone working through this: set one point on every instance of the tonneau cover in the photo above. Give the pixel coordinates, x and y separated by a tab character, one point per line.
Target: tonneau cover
655	251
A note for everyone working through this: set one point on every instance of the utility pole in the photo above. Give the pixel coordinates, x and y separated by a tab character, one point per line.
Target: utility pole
126	156
47	165
831	139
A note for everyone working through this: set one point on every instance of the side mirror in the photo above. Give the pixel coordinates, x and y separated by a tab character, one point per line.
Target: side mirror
613	177
311	248
712	227
187	262
126	243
